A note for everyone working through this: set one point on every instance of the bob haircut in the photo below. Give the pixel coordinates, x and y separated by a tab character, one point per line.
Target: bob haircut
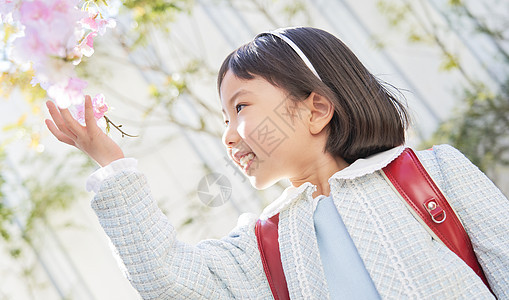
367	118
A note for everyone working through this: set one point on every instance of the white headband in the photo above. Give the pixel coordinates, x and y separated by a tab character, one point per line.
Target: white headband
295	48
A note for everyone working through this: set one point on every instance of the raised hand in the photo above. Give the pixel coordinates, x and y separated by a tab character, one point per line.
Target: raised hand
89	138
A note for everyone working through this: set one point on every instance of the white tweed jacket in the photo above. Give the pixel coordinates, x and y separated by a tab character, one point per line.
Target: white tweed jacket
401	257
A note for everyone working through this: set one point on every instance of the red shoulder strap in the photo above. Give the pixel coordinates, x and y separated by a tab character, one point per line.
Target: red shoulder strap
267	237
416	187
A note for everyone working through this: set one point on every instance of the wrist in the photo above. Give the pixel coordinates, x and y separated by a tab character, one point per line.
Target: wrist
109	160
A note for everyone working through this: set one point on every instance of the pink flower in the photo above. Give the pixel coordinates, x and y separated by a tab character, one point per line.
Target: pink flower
98	25
90	23
52	70
63	6
87	45
56	36
34	13
100	106
29	47
68	93
54	26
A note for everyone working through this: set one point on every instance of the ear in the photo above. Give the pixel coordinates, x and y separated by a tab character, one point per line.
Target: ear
321	112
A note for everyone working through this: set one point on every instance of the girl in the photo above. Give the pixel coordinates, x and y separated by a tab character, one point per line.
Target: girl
299	105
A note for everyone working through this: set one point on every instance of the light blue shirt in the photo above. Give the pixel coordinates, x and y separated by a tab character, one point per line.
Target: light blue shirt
347	277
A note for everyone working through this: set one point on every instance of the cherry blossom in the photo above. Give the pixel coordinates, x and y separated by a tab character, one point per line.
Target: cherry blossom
98	25
30	47
68	93
54	36
100	109
35	13
100	106
86	47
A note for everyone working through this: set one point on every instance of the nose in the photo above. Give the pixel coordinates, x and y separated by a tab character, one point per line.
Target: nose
231	136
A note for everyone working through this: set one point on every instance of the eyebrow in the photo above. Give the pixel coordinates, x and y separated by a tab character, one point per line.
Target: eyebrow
237	94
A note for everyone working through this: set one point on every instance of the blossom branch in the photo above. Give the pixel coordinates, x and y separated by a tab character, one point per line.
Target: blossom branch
117	127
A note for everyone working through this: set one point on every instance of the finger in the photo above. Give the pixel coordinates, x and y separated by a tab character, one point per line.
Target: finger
57	118
70	122
90	120
59	134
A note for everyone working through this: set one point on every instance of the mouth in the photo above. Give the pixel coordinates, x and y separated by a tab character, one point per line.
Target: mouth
246	160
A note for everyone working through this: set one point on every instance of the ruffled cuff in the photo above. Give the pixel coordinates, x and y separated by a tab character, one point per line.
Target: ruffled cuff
95	180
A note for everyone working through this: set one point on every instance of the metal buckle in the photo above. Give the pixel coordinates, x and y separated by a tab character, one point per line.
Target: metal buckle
435	210
438	221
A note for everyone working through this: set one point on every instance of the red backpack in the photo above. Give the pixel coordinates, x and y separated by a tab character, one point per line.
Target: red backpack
424	200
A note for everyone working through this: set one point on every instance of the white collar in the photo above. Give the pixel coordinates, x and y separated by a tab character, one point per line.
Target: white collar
371	164
358	168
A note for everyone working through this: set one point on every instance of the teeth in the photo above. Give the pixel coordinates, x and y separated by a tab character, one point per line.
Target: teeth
246	159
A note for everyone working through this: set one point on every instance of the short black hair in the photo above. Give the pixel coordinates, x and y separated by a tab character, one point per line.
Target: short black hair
367	117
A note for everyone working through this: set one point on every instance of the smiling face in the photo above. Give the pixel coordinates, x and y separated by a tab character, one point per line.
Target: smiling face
266	133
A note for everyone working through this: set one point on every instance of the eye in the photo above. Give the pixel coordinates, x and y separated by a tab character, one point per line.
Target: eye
239	107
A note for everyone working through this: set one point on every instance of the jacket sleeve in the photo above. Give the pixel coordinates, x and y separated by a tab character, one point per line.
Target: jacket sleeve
484	212
161	267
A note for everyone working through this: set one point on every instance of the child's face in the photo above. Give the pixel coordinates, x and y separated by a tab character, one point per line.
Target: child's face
266	133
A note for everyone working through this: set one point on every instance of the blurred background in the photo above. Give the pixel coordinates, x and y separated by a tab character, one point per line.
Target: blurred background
157	68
